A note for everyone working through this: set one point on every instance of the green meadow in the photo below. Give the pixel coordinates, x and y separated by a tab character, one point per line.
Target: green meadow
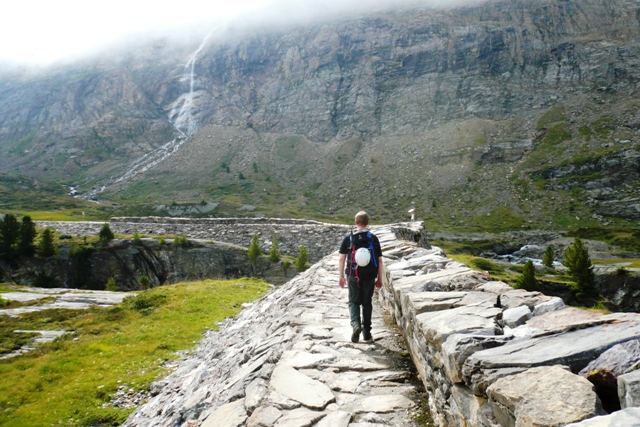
71	380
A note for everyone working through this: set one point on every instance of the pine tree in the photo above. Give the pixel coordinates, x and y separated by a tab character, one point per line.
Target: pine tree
9	235
105	233
254	250
26	246
274	253
46	247
301	260
528	280
580	268
548	257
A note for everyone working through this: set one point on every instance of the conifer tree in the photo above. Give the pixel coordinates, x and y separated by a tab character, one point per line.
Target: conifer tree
105	233
548	257
254	250
528	280
580	268
274	253
9	235
144	282
46	247
301	260
26	246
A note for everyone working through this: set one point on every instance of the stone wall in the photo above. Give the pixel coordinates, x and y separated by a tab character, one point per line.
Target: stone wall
319	238
490	355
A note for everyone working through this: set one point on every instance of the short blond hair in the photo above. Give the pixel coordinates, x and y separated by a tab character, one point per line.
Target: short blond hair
362	218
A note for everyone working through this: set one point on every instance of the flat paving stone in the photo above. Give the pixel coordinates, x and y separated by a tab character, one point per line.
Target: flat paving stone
299	387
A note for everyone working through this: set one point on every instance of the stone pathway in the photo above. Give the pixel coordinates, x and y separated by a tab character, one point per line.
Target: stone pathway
287	360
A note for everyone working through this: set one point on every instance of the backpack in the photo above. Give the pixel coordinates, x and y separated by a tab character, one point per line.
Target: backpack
362	241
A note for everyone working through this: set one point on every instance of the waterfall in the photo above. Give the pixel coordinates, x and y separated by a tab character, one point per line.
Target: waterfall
181	116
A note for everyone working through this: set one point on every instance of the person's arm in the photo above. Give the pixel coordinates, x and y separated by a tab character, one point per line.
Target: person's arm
380	273
343	281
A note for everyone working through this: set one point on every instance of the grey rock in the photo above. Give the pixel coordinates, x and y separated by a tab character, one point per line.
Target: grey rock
629	417
629	389
300	417
554	304
546	396
299	387
514	317
383	403
230	415
437	326
336	419
264	417
574	348
458	347
254	394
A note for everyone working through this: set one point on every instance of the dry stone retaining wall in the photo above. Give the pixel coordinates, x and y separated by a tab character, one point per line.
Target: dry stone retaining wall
490	355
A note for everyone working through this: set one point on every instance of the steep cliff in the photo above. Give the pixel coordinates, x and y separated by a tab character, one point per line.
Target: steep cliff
502	115
91	267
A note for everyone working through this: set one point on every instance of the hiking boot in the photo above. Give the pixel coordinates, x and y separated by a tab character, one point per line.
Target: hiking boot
355	336
366	336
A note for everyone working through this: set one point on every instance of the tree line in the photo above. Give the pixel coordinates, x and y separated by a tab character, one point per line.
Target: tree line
18	239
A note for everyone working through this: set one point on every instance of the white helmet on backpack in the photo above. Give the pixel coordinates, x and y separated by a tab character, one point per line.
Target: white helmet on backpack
363	257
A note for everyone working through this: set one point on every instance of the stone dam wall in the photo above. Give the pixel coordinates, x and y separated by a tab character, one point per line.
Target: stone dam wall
488	355
319	238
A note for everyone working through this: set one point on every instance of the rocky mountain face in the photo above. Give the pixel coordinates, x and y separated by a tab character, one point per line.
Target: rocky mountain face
504	114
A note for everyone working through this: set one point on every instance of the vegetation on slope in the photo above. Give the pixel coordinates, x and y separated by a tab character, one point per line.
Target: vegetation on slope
71	380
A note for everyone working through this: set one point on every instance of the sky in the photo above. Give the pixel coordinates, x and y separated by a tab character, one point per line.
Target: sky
46	31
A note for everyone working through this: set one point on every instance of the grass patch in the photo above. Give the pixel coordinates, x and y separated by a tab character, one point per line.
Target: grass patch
497	271
553	115
558	133
67	381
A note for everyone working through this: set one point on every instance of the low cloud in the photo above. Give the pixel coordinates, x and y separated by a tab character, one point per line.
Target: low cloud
43	32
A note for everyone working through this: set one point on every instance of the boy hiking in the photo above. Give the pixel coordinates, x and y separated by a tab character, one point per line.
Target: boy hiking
360	251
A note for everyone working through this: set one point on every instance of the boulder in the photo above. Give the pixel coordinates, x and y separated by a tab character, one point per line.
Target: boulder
549	396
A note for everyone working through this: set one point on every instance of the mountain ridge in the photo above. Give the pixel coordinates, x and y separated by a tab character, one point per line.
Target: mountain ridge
461	113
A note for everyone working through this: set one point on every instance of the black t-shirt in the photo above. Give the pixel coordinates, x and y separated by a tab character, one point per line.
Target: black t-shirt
345	247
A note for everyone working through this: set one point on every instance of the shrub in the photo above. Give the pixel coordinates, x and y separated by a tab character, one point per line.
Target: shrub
136	238
527	280
43	280
274	253
144	282
181	240
301	260
46	248
485	264
548	257
145	301
106	234
111	285
621	271
286	265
